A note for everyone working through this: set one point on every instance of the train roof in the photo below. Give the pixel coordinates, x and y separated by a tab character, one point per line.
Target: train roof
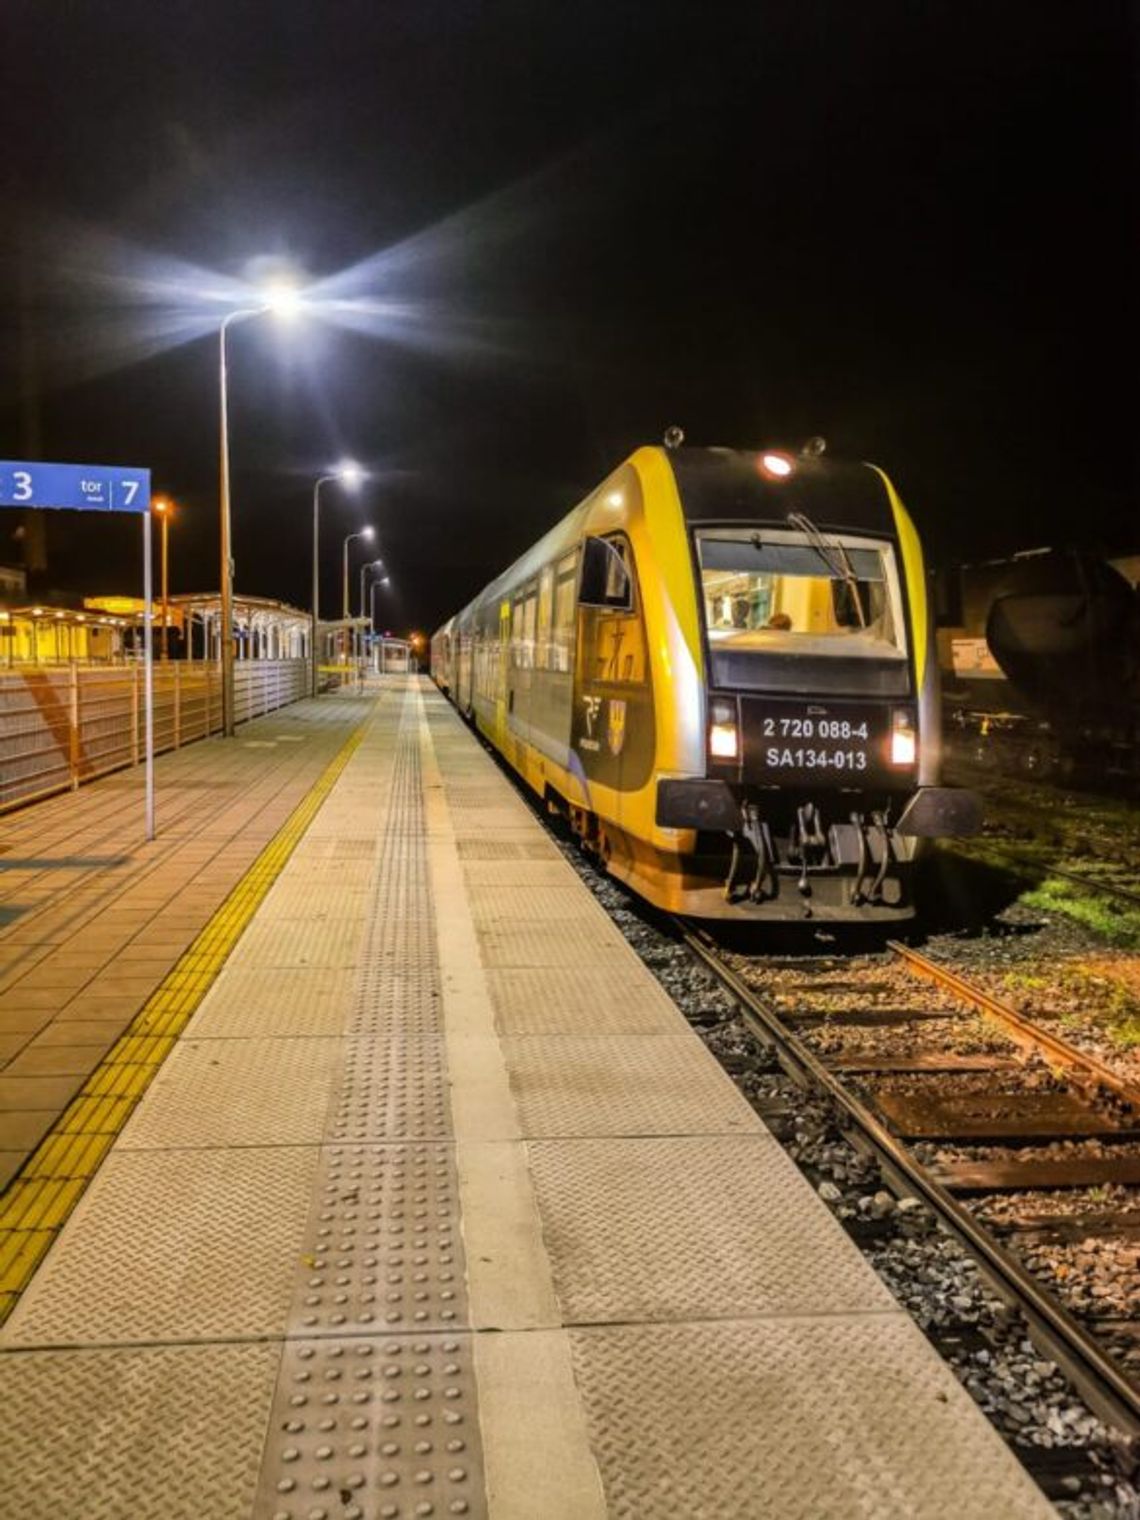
720	485
729	485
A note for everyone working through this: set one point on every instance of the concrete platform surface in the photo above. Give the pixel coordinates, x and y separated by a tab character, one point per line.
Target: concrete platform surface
439	1208
92	917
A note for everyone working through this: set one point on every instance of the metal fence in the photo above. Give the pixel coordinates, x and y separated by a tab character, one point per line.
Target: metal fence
63	725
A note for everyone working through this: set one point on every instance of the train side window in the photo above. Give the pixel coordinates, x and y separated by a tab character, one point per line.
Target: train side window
517	657
606	579
565	608
527	642
543	646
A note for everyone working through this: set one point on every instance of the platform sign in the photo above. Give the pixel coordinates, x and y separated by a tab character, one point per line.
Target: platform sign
31	484
73	487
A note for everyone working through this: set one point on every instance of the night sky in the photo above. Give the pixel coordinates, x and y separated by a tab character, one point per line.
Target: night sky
553	230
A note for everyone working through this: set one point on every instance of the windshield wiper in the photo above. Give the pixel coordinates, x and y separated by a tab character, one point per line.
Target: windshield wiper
834	556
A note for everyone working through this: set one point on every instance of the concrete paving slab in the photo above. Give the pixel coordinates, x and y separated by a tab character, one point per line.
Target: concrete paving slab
21	1129
54	1058
37	1092
100	1032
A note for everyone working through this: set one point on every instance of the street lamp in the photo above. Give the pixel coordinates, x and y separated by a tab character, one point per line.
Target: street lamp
350	475
283	299
372	564
164	508
383	581
368	534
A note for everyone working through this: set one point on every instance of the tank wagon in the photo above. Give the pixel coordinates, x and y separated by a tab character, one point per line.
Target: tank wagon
720	668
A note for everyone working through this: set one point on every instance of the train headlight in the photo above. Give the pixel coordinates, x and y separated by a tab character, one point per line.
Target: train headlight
724	736
904	740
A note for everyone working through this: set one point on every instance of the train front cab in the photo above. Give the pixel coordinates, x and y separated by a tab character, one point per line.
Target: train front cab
795	688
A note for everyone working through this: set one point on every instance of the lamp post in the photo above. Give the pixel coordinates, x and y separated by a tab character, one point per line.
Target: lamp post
372	564
367	534
163	508
383	581
282	299
349	475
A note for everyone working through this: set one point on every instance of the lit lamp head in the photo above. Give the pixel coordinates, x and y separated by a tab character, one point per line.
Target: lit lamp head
282	298
368	533
350	475
162	505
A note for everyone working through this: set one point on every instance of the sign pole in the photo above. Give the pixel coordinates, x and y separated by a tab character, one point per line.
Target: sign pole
148	671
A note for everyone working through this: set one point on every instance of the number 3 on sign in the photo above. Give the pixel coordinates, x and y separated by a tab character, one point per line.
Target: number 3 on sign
22	486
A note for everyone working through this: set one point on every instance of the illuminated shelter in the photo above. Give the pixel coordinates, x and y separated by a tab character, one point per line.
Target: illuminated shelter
43	635
265	629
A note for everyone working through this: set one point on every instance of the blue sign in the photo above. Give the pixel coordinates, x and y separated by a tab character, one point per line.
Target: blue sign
73	487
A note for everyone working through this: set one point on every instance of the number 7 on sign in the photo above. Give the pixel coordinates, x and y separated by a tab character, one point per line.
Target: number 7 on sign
131	488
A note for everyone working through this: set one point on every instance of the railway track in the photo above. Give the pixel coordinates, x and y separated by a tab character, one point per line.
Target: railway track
969	1100
1029	866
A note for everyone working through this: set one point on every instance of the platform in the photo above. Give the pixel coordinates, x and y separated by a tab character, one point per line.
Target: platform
437	1207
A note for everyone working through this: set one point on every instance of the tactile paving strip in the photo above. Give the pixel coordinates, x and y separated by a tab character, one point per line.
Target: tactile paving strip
389	1003
391	1089
82	1430
384	1251
622	1085
374	1430
814	1417
684	1228
380	1426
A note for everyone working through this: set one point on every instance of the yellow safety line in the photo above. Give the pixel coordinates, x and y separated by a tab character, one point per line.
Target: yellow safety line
36	1206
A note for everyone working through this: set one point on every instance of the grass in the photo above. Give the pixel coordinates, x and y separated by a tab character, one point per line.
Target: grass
1115	922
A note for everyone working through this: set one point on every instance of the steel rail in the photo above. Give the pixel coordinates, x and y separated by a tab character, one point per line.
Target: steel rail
1024	1030
1085	1362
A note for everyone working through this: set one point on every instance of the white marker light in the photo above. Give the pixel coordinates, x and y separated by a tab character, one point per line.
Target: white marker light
904	740
724	741
776	464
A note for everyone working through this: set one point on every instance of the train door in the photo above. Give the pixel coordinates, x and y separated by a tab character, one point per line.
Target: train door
464	696
614	734
521	676
502	672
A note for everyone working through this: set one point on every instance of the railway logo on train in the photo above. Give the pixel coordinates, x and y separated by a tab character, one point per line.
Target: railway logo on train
720	668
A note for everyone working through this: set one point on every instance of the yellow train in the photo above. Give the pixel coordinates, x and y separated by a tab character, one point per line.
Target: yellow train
720	667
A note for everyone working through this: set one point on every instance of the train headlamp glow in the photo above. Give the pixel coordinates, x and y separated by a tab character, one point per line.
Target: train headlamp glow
776	464
724	741
904	740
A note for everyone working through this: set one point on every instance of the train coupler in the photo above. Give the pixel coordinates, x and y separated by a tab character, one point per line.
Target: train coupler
755	833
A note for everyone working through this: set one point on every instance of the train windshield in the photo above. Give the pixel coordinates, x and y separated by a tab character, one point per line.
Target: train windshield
801	594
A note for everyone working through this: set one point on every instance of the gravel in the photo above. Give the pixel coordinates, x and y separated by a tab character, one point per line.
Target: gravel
1088	1470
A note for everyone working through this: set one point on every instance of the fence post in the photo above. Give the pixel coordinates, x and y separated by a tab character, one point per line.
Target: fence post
73	734
207	670
134	715
177	704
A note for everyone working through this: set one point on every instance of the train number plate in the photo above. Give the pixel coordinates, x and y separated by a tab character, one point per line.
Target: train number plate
827	744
